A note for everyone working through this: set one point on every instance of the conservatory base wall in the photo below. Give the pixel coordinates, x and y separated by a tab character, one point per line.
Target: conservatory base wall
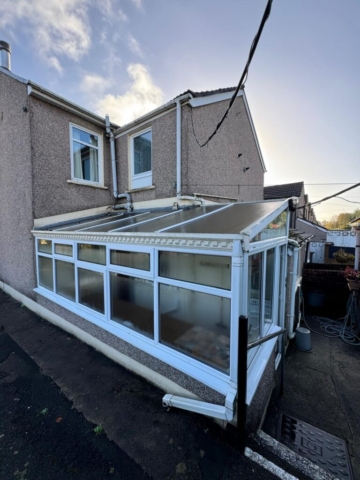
196	388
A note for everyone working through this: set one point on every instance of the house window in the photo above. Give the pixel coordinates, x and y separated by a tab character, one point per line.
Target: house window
141	153
86	155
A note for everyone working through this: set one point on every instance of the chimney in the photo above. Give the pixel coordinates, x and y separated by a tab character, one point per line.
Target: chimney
5	55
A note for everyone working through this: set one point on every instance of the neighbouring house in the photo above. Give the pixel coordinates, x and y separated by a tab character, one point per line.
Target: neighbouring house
146	246
296	189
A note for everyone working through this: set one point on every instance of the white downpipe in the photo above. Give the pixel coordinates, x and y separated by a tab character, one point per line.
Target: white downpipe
178	146
113	166
221	412
295	248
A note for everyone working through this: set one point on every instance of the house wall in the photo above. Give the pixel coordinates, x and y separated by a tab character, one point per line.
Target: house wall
212	170
216	169
163	159
16	187
53	195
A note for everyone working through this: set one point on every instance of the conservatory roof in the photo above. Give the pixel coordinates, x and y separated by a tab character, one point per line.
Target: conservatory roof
208	219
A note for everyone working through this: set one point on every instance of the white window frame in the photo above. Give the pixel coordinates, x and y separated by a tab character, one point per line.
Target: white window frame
140	180
99	149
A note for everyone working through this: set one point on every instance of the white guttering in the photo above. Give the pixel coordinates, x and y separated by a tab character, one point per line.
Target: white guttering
60	102
296	248
126	195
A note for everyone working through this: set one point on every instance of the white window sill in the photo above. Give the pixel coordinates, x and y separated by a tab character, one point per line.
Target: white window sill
87	184
142	189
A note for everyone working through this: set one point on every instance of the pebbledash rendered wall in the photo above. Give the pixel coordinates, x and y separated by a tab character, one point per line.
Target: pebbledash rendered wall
212	170
50	137
35	167
16	187
217	168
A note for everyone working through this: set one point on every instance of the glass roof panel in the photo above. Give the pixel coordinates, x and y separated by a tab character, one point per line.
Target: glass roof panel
77	225
234	219
125	222
173	219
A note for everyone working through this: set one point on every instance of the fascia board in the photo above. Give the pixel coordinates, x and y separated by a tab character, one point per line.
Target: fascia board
39	92
199	242
209	99
254	133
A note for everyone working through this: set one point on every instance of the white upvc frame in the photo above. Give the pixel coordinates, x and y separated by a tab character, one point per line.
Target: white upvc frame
210	376
140	180
99	149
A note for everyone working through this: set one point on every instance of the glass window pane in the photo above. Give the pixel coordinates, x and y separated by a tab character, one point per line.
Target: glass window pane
142	153
46	272
276	228
45	246
137	260
211	270
269	285
254	296
132	303
92	253
85	136
63	249
85	162
196	324
91	289
65	279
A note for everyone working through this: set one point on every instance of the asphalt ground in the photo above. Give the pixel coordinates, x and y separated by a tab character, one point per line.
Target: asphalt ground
68	412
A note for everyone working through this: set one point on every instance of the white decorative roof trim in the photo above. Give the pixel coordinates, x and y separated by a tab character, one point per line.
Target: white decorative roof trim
177	241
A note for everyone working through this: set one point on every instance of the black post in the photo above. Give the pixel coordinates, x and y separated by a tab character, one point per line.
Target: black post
242	381
282	372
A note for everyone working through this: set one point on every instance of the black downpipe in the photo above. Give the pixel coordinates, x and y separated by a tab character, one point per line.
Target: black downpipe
242	382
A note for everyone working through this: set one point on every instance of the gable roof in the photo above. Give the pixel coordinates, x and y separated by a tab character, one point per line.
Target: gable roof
207	92
284	190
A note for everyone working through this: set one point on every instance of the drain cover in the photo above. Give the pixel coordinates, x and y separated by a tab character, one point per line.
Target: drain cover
328	452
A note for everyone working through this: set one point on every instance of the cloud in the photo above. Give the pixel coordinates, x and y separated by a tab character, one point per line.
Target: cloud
142	97
138	4
110	14
58	28
93	84
134	45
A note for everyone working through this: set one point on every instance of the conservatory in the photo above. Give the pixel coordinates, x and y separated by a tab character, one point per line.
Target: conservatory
173	282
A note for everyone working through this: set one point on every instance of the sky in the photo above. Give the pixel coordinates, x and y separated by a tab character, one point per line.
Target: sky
127	57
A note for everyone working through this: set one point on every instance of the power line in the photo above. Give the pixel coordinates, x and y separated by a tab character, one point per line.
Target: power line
332	196
352	183
243	77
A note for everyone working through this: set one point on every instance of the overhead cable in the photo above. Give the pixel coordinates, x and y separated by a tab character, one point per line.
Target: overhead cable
331	196
242	79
